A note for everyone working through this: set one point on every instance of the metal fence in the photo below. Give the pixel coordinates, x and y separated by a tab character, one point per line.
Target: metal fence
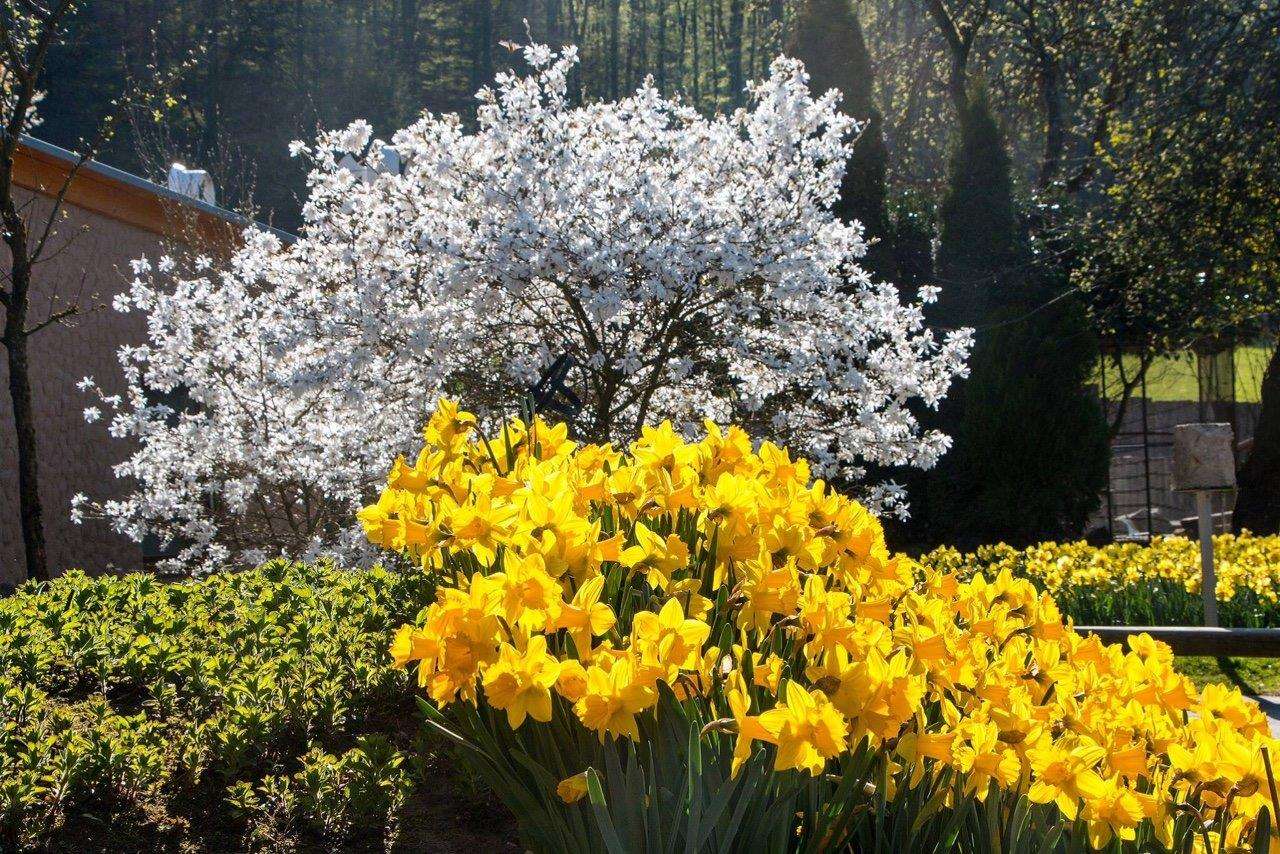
1139	500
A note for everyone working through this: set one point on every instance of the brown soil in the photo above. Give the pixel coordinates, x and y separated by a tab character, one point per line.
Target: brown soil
444	820
442	816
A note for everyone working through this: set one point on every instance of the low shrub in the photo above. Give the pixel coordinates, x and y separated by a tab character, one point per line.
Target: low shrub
1136	584
258	705
330	798
693	646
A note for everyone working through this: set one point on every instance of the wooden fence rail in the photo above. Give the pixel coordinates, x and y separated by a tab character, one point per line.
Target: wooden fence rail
1198	640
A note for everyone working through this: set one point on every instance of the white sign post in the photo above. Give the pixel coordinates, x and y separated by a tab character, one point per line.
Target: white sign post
1204	463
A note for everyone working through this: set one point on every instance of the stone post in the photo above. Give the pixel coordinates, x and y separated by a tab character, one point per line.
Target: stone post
1204	463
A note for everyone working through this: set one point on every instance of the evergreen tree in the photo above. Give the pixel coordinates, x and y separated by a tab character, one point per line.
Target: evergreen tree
981	249
828	38
911	231
1030	451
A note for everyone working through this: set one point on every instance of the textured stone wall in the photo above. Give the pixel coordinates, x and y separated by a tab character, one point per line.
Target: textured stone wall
88	262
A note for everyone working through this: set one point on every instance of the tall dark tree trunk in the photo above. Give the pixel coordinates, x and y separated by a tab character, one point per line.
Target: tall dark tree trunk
212	18
714	36
662	46
958	46
615	24
553	23
733	49
1055	133
30	509
409	25
1258	501
482	45
696	55
637	44
23	74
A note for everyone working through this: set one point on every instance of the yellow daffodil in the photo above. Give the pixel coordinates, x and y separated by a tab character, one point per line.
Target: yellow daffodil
1064	776
521	682
807	729
613	698
934	667
586	616
1115	811
657	557
668	640
573	789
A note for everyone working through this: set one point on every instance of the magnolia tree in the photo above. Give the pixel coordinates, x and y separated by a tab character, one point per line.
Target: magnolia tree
689	267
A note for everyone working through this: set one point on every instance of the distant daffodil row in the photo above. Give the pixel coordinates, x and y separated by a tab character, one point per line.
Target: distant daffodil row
1139	583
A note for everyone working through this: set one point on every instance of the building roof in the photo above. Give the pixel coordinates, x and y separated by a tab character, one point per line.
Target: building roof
43	167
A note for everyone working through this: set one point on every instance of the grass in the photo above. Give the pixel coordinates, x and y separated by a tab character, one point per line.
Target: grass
1252	675
1173	378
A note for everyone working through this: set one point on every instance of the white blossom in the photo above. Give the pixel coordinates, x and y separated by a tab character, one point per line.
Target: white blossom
690	266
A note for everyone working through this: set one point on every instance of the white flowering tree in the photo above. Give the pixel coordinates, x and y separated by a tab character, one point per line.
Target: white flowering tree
689	267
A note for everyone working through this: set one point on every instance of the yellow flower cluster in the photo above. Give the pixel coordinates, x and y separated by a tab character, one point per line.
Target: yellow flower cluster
587	578
1242	563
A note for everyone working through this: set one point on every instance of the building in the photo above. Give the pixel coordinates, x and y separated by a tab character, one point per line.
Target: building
109	218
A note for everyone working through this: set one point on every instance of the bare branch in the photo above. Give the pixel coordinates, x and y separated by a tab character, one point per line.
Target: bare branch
55	317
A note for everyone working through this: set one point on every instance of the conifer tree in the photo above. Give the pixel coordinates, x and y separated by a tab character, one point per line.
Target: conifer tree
828	38
1030	451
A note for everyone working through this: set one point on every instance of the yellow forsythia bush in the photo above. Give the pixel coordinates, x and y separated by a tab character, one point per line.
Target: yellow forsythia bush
1140	584
721	651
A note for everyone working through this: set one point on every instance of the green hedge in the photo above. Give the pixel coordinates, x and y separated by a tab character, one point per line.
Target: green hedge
238	710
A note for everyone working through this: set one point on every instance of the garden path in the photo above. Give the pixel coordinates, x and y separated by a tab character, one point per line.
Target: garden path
1270	705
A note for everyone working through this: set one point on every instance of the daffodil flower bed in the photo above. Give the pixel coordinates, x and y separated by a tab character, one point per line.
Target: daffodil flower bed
1137	584
694	645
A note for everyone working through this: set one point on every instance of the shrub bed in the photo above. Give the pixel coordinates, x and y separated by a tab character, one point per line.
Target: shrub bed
1135	584
243	708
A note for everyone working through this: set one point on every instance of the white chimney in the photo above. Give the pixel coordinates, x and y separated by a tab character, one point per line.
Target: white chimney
194	183
390	164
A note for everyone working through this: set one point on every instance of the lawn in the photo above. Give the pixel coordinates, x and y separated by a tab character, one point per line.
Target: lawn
1173	378
1255	676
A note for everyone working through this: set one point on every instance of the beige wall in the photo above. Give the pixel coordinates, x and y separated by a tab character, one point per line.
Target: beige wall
89	258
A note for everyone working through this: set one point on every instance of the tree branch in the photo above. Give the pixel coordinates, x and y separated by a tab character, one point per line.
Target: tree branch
55	317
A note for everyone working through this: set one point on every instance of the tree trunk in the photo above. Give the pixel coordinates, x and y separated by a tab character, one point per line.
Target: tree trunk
733	47
697	72
408	61
615	24
714	37
553	23
482	45
662	46
1258	501
29	508
1055	134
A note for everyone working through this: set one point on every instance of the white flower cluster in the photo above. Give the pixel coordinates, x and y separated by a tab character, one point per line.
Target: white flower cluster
690	267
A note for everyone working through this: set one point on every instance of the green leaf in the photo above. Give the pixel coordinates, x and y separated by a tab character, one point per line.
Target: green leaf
693	789
603	821
1262	833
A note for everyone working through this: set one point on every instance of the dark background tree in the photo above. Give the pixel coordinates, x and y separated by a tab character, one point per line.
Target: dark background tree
1030	455
31	35
826	35
28	37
